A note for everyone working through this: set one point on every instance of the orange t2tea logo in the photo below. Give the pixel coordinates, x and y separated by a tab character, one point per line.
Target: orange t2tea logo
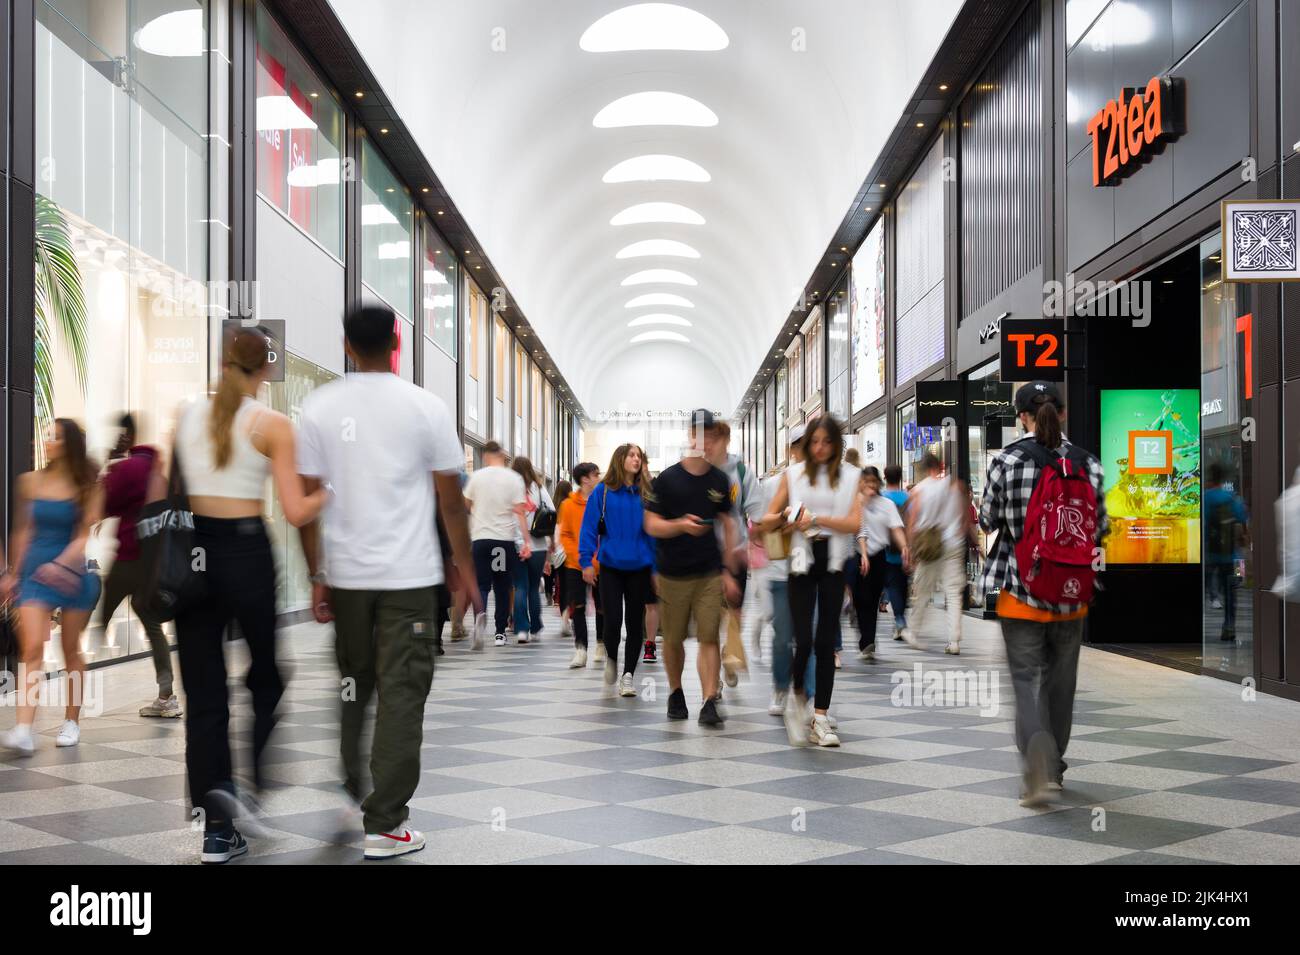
1129	131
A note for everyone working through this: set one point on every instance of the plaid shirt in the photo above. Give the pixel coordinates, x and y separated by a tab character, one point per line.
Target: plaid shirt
1007	490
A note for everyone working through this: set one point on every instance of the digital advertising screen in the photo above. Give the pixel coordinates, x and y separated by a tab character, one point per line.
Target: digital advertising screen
1151	453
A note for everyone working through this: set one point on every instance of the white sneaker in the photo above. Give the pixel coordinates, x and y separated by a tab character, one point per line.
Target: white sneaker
169	708
480	631
611	672
521	638
566	627
868	653
812	714
499	640
20	739
579	659
388	845
69	735
821	733
953	649
910	638
626	686
599	656
796	718
777	706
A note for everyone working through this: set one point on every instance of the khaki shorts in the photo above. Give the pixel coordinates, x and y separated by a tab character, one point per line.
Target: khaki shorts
682	599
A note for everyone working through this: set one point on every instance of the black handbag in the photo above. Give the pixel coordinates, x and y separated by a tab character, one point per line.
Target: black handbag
543	518
175	578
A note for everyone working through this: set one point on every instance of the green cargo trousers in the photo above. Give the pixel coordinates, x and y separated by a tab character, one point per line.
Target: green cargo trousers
384	640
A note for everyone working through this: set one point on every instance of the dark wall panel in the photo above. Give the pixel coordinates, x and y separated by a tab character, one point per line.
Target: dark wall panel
1289	41
1002	186
22	293
1218	81
22	101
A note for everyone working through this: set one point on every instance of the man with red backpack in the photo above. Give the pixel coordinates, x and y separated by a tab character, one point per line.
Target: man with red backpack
1043	499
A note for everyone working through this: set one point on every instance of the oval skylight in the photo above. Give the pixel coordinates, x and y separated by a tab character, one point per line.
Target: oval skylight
648	247
653	26
657	212
659	336
179	33
657	168
659	318
655	108
660	299
659	276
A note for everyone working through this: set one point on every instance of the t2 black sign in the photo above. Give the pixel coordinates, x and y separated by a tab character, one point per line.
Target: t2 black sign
1033	349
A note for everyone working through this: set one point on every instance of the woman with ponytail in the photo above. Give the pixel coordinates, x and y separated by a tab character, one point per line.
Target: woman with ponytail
226	447
54	510
1042	638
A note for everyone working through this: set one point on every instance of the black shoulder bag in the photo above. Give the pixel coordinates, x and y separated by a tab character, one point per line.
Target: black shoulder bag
543	518
165	530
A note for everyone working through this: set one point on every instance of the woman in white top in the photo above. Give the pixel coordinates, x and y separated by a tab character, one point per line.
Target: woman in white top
881	526
528	573
226	446
819	499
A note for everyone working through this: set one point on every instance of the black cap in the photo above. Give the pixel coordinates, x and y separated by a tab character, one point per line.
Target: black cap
1030	396
702	419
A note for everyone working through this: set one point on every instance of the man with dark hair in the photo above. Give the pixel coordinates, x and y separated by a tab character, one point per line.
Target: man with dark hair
573	586
497	501
685	503
390	455
126	487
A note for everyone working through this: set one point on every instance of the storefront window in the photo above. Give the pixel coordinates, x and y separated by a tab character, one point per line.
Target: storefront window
982	450
812	363
794	378
521	397
440	282
535	414
837	354
867	318
299	139
872	443
914	442
122	210
781	449
292	589
476	364
386	212
1227	461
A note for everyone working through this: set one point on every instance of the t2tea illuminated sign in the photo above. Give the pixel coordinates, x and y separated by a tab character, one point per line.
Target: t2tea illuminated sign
1128	131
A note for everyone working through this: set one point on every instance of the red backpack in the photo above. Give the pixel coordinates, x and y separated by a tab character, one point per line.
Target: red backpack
1055	554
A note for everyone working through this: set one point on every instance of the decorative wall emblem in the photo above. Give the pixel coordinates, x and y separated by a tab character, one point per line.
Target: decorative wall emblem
1260	239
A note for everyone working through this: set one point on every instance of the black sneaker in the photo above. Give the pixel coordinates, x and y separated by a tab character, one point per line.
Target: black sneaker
1228	635
677	706
221	847
709	715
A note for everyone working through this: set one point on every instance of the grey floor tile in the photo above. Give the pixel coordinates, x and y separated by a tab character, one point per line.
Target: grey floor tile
1152	739
611	825
22	780
1121	829
827	787
875	857
1283	825
1152	858
616	787
857	826
1202	762
600	856
68	854
813	759
621	758
1272	791
129	820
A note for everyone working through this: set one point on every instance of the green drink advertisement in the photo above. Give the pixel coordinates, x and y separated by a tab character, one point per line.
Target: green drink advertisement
1151	453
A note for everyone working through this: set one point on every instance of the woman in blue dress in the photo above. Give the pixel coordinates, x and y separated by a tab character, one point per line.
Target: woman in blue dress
55	509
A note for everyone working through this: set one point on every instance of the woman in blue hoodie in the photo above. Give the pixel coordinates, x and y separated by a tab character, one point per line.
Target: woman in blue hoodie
613	532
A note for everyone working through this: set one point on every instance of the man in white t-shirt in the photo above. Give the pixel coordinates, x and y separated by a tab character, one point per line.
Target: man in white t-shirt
389	453
498	527
938	530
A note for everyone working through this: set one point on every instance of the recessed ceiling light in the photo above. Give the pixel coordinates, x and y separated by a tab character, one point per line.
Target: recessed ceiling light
844	248
657	212
439	212
358	94
660	299
314	95
663	276
882	185
657	168
649	247
390	189
659	336
919	125
659	318
467	252
943	86
424	188
653	26
654	108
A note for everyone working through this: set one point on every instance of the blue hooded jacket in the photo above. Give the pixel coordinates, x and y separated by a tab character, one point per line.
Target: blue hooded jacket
626	545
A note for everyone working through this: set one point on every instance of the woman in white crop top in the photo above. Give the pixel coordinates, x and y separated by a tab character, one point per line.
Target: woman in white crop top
818	500
225	447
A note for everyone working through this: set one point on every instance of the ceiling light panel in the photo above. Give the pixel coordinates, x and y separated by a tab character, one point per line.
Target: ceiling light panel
659	276
660	299
655	108
659	336
657	168
653	26
659	318
670	212
650	247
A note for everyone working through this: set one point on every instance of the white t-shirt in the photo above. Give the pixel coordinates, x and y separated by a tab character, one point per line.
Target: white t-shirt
938	504
879	516
825	501
375	440
537	496
493	493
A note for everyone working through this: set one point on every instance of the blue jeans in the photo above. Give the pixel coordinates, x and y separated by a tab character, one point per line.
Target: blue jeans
783	641
896	588
494	565
528	593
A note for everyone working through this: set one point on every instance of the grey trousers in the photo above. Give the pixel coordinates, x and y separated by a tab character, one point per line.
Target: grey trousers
1044	662
127	578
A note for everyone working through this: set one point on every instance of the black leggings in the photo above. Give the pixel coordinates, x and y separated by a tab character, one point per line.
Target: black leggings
575	598
240	577
866	596
619	587
820	591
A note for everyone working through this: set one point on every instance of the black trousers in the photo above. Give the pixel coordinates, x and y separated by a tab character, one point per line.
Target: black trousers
866	596
617	589
575	598
240	576
819	592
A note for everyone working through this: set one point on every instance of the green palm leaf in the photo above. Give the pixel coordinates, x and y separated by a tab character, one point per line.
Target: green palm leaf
60	306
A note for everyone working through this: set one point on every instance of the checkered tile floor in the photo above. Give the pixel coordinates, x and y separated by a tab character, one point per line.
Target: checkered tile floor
528	761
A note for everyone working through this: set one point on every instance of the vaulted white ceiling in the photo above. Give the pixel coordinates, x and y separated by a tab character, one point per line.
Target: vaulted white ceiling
520	124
